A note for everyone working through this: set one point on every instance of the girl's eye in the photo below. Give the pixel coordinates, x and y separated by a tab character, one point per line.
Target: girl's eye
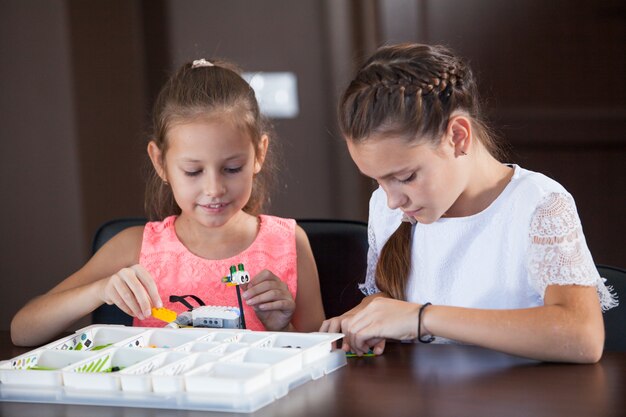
407	179
192	173
233	170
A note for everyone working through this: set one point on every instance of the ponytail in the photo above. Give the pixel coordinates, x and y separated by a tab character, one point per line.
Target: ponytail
394	263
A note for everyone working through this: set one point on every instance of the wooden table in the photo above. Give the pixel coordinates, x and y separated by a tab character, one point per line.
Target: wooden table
417	380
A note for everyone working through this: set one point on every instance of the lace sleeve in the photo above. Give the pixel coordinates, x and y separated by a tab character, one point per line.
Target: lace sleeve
369	286
558	253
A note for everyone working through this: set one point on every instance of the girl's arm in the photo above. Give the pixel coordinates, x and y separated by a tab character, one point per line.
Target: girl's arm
309	312
111	275
568	327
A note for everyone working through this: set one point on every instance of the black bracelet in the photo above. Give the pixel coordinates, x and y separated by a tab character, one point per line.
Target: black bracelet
419	325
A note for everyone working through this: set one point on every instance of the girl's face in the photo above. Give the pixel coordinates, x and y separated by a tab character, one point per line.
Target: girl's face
422	180
210	165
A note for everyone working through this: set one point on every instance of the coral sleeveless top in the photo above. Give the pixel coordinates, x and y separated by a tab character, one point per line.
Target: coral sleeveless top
177	271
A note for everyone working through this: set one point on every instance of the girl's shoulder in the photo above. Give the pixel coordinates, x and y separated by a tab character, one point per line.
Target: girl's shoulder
533	183
161	226
524	194
159	233
284	222
272	226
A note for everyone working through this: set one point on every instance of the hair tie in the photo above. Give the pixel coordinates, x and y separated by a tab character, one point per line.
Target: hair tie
428	338
198	63
408	219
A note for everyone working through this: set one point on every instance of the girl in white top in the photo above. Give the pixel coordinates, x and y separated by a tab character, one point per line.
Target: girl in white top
462	247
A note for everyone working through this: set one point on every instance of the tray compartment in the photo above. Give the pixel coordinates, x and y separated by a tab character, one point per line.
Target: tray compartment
40	368
99	372
283	362
138	378
313	345
222	378
168	378
98	337
168	339
205	346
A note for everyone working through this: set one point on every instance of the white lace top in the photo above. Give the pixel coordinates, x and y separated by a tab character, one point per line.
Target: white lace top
503	257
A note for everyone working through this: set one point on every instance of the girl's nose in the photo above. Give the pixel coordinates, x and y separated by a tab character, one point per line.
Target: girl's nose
214	186
395	199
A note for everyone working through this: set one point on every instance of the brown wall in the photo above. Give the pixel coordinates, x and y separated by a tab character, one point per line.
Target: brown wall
41	230
77	80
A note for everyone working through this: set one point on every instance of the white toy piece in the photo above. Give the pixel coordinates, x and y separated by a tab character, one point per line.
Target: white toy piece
209	316
216	317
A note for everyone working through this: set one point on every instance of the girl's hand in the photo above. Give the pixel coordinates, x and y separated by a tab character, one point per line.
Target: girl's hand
133	290
333	325
382	318
271	300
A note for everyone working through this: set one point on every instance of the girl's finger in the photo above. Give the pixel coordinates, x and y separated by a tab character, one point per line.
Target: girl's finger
148	283
264	275
361	343
126	296
268	296
325	326
122	306
334	326
331	325
379	347
345	345
277	305
139	292
255	289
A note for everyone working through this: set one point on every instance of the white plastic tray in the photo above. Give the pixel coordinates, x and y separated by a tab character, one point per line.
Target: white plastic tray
195	369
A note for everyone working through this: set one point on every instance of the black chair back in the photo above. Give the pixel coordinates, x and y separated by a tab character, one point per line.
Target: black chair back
340	251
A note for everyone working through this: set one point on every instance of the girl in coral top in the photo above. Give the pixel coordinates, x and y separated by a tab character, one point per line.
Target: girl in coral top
210	152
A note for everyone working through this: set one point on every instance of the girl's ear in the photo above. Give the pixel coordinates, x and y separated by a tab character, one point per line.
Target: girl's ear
459	133
156	156
261	151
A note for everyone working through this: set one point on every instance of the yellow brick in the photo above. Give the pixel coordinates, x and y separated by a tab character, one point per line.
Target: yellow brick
164	314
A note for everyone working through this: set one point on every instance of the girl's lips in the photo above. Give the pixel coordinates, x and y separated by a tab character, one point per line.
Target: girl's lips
213	207
413	213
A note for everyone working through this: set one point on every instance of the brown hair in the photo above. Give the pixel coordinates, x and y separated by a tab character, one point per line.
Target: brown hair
409	90
205	90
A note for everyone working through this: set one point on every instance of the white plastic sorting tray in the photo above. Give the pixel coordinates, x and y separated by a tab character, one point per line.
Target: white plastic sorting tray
194	369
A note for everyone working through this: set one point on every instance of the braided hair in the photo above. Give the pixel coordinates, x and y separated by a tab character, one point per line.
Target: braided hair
409	91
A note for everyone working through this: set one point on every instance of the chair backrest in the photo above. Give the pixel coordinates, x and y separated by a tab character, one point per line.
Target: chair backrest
339	248
340	251
615	318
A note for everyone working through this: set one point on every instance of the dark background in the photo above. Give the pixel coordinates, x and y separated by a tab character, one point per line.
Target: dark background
77	80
